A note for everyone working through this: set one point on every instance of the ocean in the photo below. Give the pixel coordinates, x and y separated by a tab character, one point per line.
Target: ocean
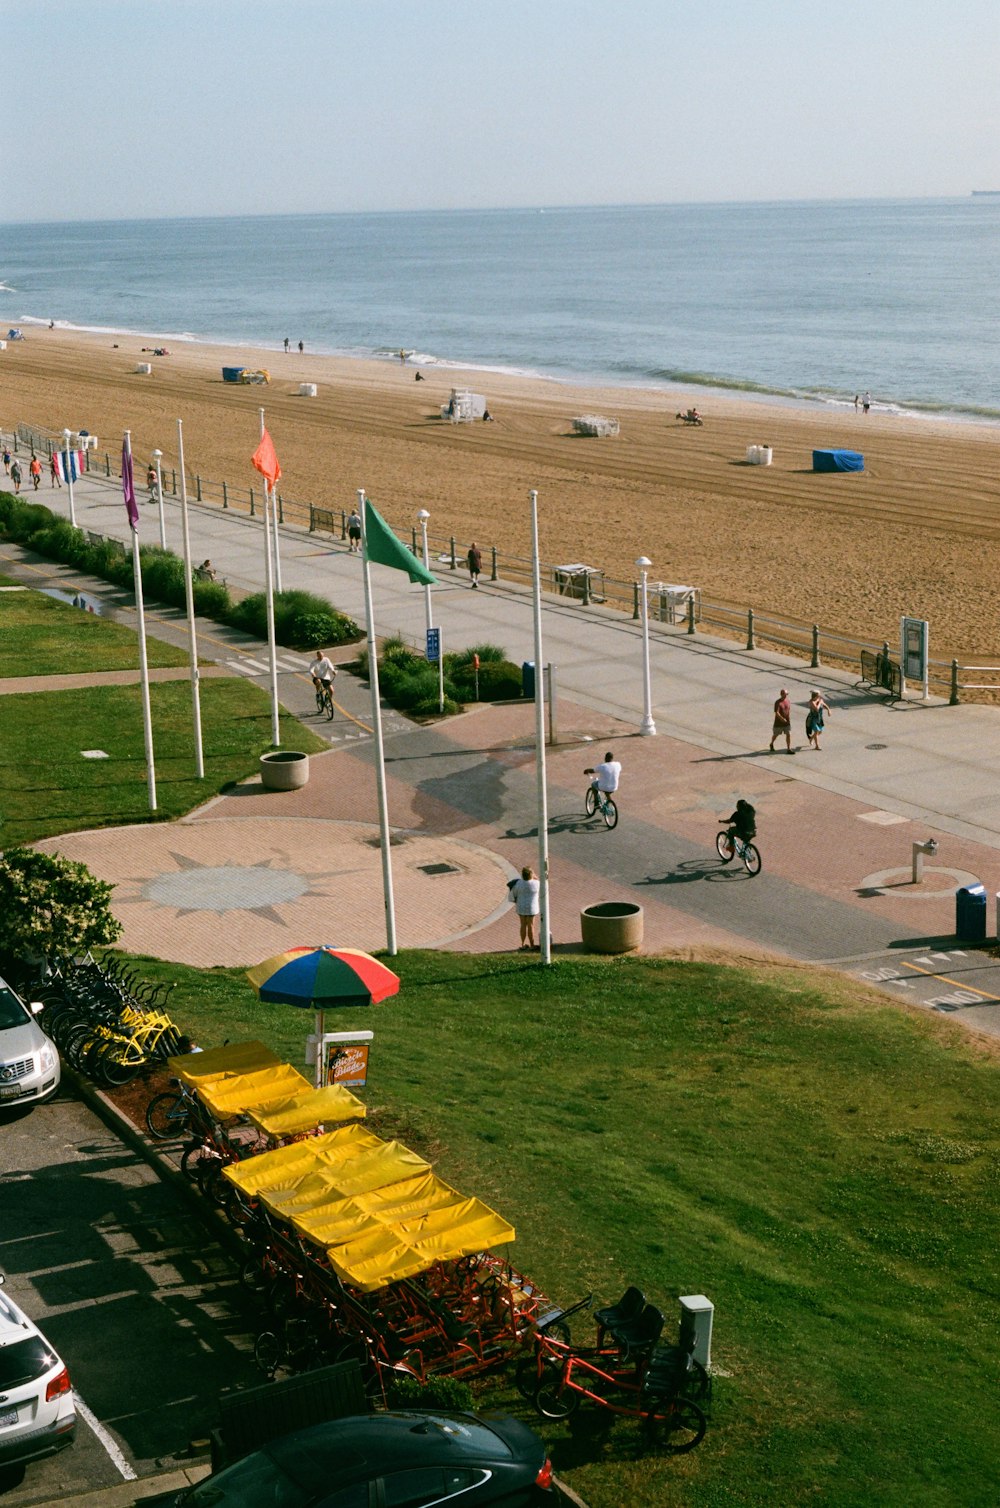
799	301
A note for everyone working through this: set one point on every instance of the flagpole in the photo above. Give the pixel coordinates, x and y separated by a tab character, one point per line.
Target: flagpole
69	477
147	717
545	942
199	757
383	805
271	647
274	509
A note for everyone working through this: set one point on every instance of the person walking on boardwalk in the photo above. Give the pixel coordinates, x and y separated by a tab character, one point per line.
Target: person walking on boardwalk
6	459
814	718
354	532
474	559
782	725
55	480
35	471
15	476
524	893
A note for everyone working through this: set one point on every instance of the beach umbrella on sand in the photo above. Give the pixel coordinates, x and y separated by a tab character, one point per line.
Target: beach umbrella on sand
322	979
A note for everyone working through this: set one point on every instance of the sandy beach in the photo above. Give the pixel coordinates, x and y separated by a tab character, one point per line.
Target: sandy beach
851	552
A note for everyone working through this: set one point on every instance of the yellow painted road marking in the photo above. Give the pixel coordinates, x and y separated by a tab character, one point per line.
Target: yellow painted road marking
945	979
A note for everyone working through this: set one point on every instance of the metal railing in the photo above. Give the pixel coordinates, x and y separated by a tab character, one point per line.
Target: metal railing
589	586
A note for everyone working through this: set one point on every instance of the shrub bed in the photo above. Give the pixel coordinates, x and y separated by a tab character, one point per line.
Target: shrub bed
410	683
301	619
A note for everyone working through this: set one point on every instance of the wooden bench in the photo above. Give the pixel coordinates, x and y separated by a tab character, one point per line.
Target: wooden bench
249	1417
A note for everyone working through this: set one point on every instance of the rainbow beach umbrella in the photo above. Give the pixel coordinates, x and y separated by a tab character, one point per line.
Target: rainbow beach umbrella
319	979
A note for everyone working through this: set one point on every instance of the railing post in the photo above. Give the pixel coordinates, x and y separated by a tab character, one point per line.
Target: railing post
343	523
814	662
953	699
225	495
281	509
691	614
750	638
886	678
251	503
586	588
197	487
413	540
454	560
635	600
107	464
493	563
312	519
173	482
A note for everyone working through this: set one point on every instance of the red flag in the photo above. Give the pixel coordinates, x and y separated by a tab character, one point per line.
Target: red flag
265	459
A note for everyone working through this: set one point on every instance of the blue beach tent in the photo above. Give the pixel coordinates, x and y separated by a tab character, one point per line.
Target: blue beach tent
838	460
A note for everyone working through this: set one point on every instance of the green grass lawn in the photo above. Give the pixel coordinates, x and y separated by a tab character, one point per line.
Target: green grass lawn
43	636
47	787
821	1163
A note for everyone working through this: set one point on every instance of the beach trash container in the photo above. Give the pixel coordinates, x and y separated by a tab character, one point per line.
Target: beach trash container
307	389
143	368
528	679
970	913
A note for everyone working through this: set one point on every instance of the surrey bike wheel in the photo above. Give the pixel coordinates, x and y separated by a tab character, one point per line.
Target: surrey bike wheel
329	708
590	801
751	858
553	1400
676	1425
609	811
725	847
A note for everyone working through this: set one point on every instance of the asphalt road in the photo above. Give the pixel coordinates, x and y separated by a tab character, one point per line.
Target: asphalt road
123	1278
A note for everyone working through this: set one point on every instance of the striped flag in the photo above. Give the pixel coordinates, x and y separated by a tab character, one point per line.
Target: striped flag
128	485
69	464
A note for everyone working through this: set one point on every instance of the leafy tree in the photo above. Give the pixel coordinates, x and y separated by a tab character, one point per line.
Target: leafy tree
50	905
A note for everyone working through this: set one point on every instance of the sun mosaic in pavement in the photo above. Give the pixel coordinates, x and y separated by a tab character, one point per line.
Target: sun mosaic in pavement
231	891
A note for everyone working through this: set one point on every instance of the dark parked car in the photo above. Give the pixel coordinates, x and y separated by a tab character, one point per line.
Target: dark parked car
395	1460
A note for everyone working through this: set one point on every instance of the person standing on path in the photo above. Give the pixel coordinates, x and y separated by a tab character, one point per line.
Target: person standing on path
814	718
524	893
354	532
55	480
475	563
6	459
866	402
782	721
35	469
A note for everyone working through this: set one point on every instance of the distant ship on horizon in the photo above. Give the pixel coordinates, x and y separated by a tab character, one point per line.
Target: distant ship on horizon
986	193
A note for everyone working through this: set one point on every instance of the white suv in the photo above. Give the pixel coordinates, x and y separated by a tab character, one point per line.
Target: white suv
37	1411
29	1062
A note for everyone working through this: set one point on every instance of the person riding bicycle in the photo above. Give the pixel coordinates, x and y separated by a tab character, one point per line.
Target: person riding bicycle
323	672
742	823
606	775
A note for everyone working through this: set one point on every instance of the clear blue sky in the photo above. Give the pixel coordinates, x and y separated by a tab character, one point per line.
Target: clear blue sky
122	108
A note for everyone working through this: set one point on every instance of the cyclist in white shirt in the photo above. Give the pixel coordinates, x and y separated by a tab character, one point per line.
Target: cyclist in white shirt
606	775
322	671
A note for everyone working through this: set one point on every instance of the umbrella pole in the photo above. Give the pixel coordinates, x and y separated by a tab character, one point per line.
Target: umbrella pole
320	1053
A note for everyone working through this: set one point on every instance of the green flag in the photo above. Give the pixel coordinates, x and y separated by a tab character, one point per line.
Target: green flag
382	546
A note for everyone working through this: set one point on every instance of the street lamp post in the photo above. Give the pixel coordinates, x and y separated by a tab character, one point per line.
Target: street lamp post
647	725
69	477
157	458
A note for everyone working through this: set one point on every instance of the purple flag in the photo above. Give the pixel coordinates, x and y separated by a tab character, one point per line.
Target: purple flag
128	486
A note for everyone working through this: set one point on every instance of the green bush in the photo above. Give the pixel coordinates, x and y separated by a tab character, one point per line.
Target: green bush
212	600
312	630
440	1393
488	653
163	575
292	614
499	681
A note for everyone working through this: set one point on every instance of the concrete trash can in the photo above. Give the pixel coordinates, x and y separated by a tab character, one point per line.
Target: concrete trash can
284	770
611	927
970	913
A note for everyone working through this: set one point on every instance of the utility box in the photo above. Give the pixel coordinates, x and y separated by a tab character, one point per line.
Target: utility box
697	1313
970	913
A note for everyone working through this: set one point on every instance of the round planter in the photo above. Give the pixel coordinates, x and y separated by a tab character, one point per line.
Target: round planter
284	770
611	927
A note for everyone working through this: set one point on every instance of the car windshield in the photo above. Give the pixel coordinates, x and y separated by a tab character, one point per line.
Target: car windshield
12	1012
25	1361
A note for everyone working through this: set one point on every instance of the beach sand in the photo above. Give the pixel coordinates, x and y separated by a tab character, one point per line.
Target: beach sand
852	552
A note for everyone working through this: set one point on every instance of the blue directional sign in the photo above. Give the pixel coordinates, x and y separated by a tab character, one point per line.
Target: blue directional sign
434	644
